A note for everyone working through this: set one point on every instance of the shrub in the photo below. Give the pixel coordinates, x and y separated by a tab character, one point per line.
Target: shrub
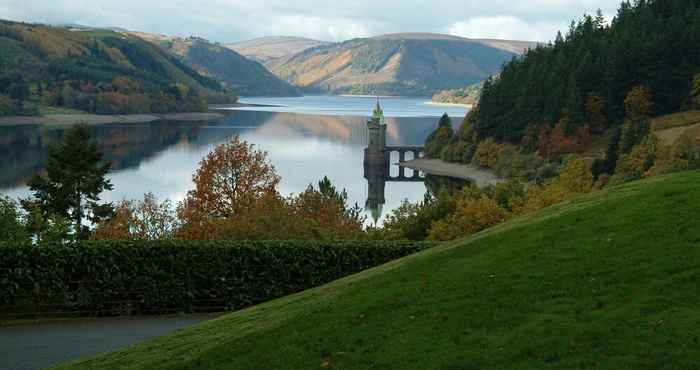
128	277
471	216
487	153
11	227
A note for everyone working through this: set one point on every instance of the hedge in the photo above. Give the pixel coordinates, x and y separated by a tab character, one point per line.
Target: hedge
156	277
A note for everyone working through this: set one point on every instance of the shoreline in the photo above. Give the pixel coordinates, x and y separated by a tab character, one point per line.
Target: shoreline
100	119
459	171
470	106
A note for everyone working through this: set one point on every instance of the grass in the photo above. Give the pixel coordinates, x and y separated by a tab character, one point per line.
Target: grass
44	110
680	119
608	280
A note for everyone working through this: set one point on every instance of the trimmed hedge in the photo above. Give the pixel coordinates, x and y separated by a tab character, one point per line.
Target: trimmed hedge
147	277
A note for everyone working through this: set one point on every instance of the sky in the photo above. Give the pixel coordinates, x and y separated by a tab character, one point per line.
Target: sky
237	20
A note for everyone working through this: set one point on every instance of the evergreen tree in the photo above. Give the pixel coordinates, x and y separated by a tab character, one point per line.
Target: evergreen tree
75	176
648	43
440	138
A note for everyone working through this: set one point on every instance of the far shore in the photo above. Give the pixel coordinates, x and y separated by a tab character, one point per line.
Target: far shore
470	106
98	119
216	112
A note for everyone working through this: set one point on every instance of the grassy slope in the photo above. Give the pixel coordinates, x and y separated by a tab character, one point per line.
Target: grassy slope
671	126
608	280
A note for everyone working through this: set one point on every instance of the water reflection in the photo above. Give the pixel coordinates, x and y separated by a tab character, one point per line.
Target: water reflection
161	157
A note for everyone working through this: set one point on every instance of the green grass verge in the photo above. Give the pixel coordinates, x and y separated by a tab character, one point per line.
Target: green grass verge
44	110
608	280
680	119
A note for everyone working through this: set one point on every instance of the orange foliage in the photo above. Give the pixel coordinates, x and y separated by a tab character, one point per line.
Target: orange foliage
230	180
555	143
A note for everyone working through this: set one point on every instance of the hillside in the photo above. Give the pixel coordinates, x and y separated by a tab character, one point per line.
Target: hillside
593	68
607	280
398	64
270	48
97	71
241	75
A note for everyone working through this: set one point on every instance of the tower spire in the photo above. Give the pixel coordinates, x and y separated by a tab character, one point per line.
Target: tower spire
378	113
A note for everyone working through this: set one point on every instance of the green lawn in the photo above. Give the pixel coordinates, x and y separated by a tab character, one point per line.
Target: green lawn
610	280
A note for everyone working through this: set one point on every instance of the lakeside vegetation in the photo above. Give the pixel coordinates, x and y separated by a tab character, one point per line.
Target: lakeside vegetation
96	71
467	96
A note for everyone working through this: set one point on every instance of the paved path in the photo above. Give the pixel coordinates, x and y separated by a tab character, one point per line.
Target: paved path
456	170
37	346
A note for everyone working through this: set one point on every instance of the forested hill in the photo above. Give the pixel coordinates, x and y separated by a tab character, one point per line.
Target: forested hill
398	64
243	76
98	71
588	73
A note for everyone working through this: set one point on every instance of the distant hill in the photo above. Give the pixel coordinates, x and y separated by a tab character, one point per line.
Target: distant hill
268	49
98	71
513	46
396	64
243	76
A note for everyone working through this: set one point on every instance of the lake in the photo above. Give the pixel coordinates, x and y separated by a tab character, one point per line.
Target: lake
306	138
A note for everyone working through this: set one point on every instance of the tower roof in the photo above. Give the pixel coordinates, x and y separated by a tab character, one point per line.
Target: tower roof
378	113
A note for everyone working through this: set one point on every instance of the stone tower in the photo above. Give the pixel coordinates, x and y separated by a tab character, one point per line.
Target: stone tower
376	163
377	131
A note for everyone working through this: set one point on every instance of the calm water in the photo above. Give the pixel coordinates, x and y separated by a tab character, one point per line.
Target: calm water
306	139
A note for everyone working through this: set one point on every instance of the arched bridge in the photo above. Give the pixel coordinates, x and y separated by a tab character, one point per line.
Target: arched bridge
416	152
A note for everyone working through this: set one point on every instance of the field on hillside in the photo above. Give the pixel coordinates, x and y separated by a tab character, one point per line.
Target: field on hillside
607	280
670	127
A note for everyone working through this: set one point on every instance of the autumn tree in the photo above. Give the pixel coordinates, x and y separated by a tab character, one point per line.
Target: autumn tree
638	110
575	175
640	159
487	153
147	219
596	114
472	214
74	179
638	104
229	180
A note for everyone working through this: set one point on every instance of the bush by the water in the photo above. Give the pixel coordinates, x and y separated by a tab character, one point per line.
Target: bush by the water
131	277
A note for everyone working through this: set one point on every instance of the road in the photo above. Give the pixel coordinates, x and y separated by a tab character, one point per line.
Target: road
39	345
461	171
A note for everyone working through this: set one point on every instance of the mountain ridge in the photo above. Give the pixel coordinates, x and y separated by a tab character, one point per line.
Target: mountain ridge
393	64
242	75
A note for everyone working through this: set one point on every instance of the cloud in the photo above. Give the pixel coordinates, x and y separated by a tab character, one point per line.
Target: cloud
506	27
234	20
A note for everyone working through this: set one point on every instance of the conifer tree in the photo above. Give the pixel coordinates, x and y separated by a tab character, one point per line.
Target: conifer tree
75	176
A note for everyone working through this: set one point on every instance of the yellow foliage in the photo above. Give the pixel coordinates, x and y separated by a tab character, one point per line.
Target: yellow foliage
471	216
575	176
